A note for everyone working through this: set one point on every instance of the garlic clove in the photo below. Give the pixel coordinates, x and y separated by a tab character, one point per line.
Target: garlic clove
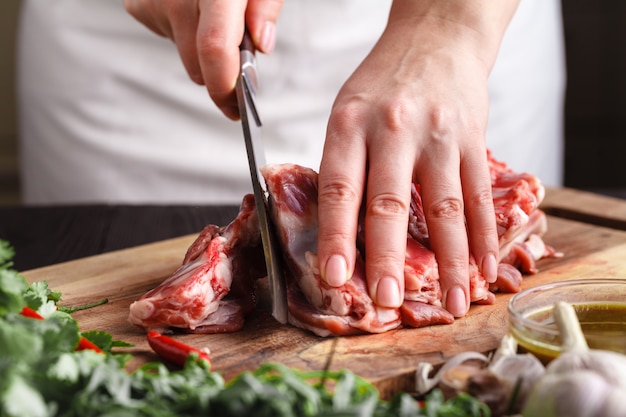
572	335
580	394
425	383
454	379
608	364
518	374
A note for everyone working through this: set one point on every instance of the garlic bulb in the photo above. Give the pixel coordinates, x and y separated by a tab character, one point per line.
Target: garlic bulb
501	382
518	372
580	382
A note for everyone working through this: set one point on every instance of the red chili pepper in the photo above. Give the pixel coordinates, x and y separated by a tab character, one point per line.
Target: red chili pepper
83	342
173	350
29	312
86	344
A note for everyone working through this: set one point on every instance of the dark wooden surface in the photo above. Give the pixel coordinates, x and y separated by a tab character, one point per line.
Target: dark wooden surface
44	236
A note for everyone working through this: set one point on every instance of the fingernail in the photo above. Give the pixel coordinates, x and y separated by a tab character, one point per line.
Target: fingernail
388	293
490	268
455	302
336	271
268	37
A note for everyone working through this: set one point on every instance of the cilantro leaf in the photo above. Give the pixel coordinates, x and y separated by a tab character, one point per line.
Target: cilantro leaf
41	299
6	254
12	288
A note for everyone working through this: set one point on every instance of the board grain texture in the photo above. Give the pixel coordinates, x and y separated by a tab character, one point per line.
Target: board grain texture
387	360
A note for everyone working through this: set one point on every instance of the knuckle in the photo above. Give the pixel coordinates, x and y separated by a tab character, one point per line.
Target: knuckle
441	118
337	191
345	113
211	43
482	198
387	205
446	120
397	114
446	209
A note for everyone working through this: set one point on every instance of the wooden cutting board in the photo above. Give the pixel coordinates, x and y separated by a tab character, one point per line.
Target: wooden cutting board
387	360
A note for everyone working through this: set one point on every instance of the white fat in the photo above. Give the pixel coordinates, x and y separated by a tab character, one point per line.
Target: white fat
224	270
141	310
536	246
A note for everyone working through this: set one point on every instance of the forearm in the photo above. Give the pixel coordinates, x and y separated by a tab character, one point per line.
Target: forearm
476	25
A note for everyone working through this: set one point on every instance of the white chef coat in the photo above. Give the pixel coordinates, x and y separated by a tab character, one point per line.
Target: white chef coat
107	112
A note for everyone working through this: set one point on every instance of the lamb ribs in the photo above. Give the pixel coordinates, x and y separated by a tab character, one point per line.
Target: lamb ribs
214	289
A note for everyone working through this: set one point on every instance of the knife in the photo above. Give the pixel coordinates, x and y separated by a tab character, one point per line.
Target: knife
251	122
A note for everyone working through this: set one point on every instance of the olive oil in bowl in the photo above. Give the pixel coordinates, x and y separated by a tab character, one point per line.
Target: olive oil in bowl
600	305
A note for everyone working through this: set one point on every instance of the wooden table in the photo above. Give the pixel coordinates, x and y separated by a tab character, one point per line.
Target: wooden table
57	245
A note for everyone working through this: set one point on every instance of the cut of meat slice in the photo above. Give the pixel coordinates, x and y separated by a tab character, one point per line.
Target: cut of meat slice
313	304
418	314
202	296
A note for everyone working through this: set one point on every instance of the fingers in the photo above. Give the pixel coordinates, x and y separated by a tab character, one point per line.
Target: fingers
340	191
151	14
386	217
480	214
184	21
444	211
457	200
220	30
458	206
207	34
261	18
175	20
386	204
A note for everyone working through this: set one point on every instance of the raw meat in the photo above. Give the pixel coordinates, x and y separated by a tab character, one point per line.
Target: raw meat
313	304
215	287
213	290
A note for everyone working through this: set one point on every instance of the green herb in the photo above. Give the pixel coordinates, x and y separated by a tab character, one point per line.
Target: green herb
73	309
43	376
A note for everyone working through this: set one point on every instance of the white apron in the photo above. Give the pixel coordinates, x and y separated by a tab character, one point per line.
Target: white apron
108	114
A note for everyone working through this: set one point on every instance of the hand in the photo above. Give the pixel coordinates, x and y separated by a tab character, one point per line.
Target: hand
207	34
415	110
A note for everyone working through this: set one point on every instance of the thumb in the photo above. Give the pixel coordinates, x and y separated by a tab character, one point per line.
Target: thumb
261	18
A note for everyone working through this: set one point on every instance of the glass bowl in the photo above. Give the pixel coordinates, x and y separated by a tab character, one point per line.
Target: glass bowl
600	304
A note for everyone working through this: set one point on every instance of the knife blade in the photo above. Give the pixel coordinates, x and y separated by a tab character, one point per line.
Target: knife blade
246	89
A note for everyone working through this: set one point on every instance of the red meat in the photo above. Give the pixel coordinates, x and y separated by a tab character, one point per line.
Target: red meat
214	288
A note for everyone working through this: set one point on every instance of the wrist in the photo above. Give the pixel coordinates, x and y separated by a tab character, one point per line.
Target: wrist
471	26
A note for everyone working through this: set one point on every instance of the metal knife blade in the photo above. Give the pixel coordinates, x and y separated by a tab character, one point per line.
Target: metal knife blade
251	122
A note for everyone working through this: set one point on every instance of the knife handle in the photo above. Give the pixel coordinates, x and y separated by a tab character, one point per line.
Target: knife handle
246	42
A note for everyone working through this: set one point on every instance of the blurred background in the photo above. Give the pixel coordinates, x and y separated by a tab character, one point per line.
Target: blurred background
9	180
595	112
